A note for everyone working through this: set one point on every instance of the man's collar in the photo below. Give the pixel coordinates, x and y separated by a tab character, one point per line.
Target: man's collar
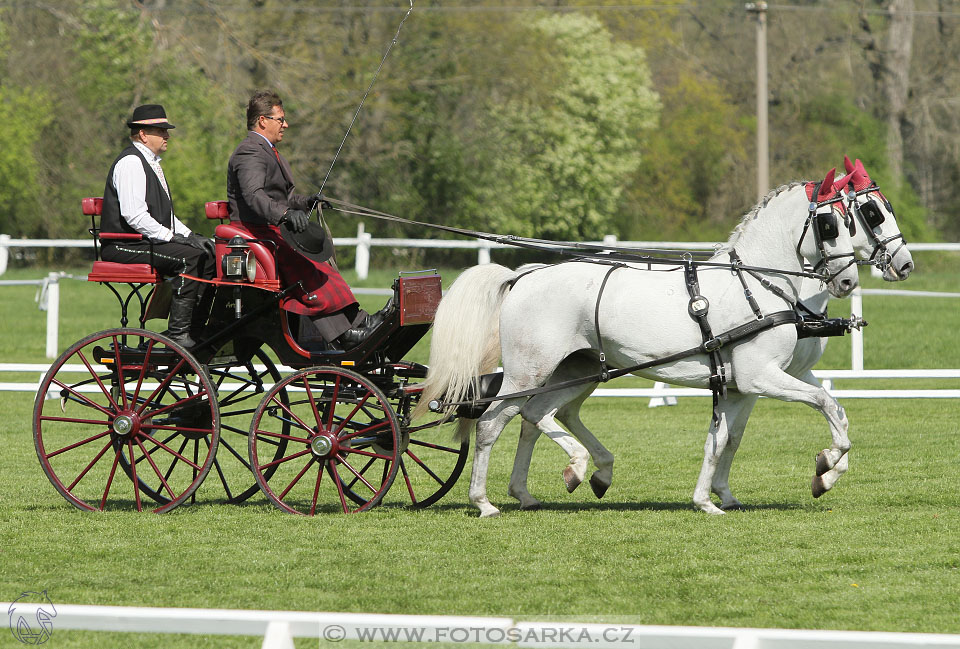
151	156
264	139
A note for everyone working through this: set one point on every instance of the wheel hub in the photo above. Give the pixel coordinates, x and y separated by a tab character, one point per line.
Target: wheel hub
125	424
323	445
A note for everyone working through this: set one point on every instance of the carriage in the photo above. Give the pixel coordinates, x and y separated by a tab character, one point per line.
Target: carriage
128	418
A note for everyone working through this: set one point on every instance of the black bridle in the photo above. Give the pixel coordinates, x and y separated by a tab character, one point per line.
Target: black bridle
825	228
871	217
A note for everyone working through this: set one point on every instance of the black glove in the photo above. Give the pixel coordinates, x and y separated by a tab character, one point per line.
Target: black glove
318	199
196	241
297	219
205	244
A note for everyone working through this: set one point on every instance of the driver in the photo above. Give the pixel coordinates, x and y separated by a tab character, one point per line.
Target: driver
260	191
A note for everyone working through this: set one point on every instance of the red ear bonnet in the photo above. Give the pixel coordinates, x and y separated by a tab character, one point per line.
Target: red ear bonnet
826	187
856	175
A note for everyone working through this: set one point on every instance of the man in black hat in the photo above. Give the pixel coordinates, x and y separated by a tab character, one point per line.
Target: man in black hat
136	200
260	191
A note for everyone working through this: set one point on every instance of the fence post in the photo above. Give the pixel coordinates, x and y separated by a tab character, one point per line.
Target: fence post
856	335
4	252
659	385
52	290
362	264
483	252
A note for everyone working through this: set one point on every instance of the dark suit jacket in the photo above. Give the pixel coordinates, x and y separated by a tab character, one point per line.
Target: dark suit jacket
259	190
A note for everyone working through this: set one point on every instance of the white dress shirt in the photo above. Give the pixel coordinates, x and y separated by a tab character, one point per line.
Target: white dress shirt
130	181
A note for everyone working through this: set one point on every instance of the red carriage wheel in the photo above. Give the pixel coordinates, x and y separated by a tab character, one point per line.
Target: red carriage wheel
344	438
240	387
432	461
132	400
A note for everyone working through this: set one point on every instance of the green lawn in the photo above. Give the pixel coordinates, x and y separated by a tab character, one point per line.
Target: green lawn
879	552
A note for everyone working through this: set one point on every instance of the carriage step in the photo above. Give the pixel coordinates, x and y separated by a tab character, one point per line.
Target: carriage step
134	357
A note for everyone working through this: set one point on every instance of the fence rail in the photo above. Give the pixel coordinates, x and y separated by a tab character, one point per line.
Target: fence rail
279	628
364	241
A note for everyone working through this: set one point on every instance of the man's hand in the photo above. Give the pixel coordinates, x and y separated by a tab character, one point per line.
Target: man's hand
204	244
318	200
297	219
196	241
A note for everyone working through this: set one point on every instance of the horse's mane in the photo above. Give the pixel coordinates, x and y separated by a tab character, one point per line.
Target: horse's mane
753	213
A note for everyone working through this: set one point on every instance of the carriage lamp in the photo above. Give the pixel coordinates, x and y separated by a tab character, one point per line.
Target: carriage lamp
240	263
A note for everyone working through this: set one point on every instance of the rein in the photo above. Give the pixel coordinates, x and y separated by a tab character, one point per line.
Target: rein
581	251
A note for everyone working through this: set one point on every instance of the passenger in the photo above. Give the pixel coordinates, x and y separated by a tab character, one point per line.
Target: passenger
260	190
136	199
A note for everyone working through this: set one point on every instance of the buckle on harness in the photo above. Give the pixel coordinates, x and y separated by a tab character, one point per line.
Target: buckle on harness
712	345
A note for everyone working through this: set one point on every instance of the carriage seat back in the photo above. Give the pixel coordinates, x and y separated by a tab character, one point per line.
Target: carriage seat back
266	261
111	271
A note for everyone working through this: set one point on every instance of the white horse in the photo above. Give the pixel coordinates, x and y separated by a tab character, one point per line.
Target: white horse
876	237
583	312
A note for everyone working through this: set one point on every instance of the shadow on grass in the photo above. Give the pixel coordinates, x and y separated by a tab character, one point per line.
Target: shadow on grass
574	508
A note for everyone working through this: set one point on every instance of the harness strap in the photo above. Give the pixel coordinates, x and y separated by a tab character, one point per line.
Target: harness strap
698	309
604	372
737	265
733	335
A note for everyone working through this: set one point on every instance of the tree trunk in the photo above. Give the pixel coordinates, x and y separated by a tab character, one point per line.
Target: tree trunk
897	79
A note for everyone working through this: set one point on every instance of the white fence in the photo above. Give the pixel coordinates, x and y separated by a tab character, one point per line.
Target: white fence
363	242
279	628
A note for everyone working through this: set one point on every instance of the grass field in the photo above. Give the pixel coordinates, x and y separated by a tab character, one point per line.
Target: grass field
879	552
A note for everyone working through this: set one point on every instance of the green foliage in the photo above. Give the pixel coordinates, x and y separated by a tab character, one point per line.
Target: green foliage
558	165
699	140
24	112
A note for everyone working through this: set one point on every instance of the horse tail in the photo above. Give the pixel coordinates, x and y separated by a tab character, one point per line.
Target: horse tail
466	335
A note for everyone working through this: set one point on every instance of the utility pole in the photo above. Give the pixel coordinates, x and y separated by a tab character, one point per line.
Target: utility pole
763	144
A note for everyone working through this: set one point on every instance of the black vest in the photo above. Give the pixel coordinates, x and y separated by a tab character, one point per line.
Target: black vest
159	204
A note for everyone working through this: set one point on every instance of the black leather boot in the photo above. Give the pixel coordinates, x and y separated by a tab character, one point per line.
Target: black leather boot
354	336
181	315
201	314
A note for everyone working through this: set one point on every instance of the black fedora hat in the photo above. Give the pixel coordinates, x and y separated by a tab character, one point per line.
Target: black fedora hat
149	115
314	243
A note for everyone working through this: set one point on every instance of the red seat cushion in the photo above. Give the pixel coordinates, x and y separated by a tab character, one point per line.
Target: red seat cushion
112	271
92	206
217	210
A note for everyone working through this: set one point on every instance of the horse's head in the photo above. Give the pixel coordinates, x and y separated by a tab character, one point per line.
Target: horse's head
872	224
823	242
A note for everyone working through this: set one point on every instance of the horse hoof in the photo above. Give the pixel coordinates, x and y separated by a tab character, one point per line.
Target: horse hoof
599	486
817	486
570	479
530	507
734	507
490	514
822	466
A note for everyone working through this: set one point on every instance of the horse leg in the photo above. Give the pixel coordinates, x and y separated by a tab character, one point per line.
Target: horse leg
602	478
780	385
823	482
521	466
489	427
737	408
717	439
